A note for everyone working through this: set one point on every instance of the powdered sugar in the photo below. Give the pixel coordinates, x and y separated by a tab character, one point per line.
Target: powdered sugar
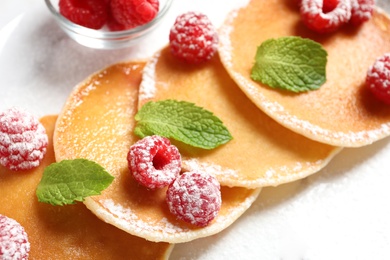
380	67
193	164
195	197
13	240
361	11
163	229
316	19
378	78
23	140
193	38
278	112
147	87
154	162
271	176
225	46
304	127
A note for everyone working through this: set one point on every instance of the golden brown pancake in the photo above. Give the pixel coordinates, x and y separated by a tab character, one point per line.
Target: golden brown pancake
97	123
262	152
66	232
342	112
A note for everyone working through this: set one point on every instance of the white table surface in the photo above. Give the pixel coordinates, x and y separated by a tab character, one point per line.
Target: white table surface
341	212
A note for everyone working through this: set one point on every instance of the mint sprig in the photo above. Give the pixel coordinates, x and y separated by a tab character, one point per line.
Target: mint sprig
182	121
69	181
291	63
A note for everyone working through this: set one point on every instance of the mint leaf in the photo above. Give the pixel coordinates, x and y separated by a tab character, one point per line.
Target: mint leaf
69	181
182	121
291	63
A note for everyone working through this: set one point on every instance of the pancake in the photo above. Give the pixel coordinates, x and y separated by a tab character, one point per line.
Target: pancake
262	152
66	232
97	123
342	112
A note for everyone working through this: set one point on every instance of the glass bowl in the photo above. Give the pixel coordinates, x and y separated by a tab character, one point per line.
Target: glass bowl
103	38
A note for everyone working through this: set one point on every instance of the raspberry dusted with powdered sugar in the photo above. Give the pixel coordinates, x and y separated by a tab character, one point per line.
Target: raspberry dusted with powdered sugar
132	13
325	16
195	197
23	140
154	162
378	78
13	240
361	11
193	38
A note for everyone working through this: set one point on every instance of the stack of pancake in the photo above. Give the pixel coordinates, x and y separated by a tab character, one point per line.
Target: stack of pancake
278	136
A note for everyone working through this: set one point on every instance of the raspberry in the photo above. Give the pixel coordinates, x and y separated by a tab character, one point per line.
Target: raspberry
23	140
329	5
113	25
154	162
195	197
378	78
361	11
13	240
88	13
132	13
315	16
193	38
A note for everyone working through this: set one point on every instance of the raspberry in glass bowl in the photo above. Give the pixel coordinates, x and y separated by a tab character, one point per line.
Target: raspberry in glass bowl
107	24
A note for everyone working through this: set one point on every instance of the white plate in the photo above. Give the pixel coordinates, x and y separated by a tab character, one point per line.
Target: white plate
342	212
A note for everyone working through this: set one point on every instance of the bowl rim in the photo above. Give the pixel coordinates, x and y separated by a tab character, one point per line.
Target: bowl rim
93	33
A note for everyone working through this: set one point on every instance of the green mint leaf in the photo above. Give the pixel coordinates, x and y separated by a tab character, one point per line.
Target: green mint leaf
292	63
69	181
182	121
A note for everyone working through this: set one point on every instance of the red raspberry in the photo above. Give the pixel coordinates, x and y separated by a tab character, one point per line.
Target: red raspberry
132	13
193	38
378	78
154	162
329	5
23	140
195	197
113	25
315	17
361	11
13	240
88	13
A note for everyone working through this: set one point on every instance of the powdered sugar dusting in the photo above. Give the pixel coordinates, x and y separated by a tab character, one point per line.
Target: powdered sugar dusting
314	7
225	47
378	78
163	229
278	112
195	197
147	87
129	220
379	73
154	162
362	10
272	176
222	174
312	131
315	18
23	140
14	242
193	38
